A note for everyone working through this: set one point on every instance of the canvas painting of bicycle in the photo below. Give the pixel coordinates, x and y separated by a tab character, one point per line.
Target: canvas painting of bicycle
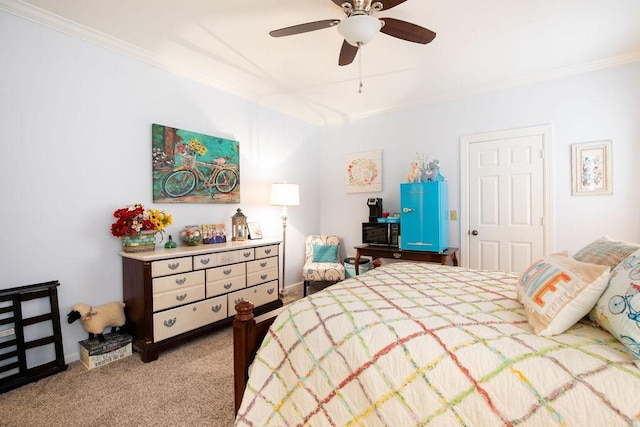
190	167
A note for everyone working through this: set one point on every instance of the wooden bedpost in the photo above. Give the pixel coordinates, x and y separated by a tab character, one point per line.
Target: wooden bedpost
248	333
244	348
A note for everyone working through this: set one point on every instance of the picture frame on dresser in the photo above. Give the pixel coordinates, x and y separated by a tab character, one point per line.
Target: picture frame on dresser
255	233
591	169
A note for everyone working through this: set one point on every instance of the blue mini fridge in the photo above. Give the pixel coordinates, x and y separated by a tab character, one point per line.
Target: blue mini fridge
424	219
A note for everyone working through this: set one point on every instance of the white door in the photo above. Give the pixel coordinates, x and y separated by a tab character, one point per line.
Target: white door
505	186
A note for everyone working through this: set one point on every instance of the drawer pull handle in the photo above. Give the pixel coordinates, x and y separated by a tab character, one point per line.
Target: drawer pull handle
227	271
397	255
247	254
169	322
270	291
264	276
195	308
205	261
181	281
238	300
263	264
181	297
216	308
174	265
227	285
267	251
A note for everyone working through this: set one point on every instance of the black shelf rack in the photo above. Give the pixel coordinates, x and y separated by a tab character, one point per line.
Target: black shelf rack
14	366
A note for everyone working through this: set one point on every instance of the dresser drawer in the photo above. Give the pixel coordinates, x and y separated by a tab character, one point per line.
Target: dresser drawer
177	281
177	297
170	266
256	295
226	285
262	264
221	273
262	276
204	261
232	257
169	323
266	251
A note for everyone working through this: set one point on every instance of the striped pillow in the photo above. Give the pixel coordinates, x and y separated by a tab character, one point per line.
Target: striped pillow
605	251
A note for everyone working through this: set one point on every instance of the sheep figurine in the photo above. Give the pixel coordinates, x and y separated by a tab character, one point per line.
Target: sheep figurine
95	319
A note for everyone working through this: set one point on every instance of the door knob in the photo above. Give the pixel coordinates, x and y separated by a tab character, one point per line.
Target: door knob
407	210
474	232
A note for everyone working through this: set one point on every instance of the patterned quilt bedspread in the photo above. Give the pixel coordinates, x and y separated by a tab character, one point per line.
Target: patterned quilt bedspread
413	344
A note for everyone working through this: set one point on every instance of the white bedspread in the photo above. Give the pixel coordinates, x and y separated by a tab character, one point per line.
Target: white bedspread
412	344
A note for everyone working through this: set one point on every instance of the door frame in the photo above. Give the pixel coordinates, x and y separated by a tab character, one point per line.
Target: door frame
547	184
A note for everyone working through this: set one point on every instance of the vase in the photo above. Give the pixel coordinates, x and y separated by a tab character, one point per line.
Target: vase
141	242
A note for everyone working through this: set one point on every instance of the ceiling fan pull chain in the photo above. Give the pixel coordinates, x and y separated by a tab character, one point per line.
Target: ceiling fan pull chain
360	66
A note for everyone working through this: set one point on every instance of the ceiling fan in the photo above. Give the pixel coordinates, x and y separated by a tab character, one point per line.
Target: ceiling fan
359	26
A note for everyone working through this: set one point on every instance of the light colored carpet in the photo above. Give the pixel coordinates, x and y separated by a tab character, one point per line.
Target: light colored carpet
189	385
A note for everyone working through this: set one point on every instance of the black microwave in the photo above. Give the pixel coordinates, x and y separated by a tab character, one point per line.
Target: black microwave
381	233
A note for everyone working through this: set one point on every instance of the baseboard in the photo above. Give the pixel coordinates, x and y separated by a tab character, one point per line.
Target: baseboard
296	287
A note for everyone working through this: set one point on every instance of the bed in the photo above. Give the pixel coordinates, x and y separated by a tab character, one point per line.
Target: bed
417	343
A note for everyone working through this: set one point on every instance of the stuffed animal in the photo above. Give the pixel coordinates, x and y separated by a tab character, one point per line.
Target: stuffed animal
414	175
434	167
95	319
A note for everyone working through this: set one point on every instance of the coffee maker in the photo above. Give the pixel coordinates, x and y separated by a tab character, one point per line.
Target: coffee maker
375	208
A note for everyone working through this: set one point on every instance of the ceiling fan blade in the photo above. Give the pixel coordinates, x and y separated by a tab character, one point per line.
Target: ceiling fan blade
304	28
347	53
388	4
406	31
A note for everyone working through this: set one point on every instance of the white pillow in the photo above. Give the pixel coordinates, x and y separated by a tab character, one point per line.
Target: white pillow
618	309
557	291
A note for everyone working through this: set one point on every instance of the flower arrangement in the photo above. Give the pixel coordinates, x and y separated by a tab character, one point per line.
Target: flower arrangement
193	147
136	218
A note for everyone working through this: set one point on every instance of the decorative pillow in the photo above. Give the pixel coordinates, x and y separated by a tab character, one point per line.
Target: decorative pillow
606	252
618	309
325	253
557	291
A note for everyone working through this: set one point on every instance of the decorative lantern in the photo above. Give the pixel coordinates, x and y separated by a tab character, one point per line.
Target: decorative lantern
239	229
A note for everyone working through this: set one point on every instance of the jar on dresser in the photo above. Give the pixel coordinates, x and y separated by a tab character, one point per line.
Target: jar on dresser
172	295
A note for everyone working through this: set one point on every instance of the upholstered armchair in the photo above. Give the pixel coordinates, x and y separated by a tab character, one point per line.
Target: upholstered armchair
322	260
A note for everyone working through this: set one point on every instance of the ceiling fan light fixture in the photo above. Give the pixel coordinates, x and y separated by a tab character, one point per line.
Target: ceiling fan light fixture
358	30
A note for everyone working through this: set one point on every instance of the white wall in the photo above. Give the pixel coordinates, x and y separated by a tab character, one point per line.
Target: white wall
76	144
588	107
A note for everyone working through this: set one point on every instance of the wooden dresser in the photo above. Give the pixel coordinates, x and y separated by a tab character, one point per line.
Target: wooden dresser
173	295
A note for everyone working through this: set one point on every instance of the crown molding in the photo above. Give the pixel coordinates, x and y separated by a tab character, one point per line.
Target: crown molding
79	31
510	83
71	28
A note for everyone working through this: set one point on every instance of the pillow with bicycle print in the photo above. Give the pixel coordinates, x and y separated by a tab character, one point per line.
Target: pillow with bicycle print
618	309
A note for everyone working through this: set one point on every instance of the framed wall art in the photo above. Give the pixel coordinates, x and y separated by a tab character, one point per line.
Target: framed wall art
190	167
363	172
591	168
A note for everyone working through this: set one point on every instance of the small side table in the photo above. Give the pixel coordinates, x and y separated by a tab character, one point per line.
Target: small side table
445	257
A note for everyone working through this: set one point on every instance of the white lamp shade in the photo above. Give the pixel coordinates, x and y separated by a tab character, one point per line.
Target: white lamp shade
283	194
359	29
